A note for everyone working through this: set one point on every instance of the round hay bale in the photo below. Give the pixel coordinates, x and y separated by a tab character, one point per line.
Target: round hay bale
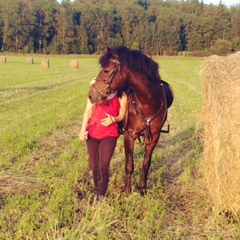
45	64
3	59
29	60
74	64
222	132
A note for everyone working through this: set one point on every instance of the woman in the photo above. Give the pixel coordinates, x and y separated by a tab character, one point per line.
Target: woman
100	129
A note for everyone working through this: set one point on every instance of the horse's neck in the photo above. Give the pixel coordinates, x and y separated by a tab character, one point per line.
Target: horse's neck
145	91
148	96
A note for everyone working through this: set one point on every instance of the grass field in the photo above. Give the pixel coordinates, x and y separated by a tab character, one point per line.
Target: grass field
46	187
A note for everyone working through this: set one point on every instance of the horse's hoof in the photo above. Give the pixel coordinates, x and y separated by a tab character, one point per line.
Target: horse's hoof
143	191
127	190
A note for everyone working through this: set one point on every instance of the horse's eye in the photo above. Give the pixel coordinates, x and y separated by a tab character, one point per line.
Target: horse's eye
105	71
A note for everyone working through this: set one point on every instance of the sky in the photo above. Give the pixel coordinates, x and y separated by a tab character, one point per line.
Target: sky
216	2
225	2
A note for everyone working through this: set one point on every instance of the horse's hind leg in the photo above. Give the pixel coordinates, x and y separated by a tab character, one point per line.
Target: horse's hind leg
129	167
146	165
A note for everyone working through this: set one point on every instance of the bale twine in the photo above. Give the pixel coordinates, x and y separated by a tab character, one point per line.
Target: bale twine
3	59
74	64
45	64
221	118
30	60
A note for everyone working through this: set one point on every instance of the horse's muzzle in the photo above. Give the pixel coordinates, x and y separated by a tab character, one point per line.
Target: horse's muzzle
96	99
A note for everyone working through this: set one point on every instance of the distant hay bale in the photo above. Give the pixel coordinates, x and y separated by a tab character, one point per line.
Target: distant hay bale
221	118
29	60
3	59
45	64
74	64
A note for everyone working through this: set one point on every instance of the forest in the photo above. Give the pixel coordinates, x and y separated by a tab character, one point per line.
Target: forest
156	27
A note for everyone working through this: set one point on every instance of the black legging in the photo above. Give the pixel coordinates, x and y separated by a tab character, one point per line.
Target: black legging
100	154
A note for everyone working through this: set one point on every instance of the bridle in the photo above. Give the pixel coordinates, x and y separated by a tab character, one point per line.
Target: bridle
103	94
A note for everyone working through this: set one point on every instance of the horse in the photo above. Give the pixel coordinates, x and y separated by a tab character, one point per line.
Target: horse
122	68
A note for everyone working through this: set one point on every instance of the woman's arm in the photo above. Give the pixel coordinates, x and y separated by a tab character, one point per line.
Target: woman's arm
87	114
122	110
111	119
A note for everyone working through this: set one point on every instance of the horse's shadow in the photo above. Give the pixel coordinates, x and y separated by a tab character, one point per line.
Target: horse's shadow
171	156
176	154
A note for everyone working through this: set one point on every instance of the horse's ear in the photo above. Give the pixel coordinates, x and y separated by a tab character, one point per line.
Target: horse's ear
107	47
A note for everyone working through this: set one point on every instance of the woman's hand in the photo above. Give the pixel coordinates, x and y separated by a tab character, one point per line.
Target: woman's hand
83	136
108	120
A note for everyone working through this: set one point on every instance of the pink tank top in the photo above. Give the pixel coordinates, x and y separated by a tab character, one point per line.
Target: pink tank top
95	128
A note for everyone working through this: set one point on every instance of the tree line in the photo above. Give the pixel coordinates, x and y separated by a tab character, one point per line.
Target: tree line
156	27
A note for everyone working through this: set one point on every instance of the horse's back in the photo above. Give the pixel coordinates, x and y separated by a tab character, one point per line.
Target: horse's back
168	93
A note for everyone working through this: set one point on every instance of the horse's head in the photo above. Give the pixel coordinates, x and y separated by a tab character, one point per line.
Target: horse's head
108	80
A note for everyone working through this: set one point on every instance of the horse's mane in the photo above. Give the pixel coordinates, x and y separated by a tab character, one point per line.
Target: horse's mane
134	60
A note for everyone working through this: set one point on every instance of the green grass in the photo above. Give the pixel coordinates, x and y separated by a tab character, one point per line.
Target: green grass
45	184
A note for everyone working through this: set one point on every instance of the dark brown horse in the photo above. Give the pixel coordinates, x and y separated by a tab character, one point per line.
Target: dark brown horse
147	105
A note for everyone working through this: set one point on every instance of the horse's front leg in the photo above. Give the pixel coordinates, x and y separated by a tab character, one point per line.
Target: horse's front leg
146	165
129	167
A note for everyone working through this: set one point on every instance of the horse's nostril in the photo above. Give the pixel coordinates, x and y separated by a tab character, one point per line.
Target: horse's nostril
89	97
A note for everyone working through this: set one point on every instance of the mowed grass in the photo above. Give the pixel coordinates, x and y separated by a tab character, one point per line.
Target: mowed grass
46	187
